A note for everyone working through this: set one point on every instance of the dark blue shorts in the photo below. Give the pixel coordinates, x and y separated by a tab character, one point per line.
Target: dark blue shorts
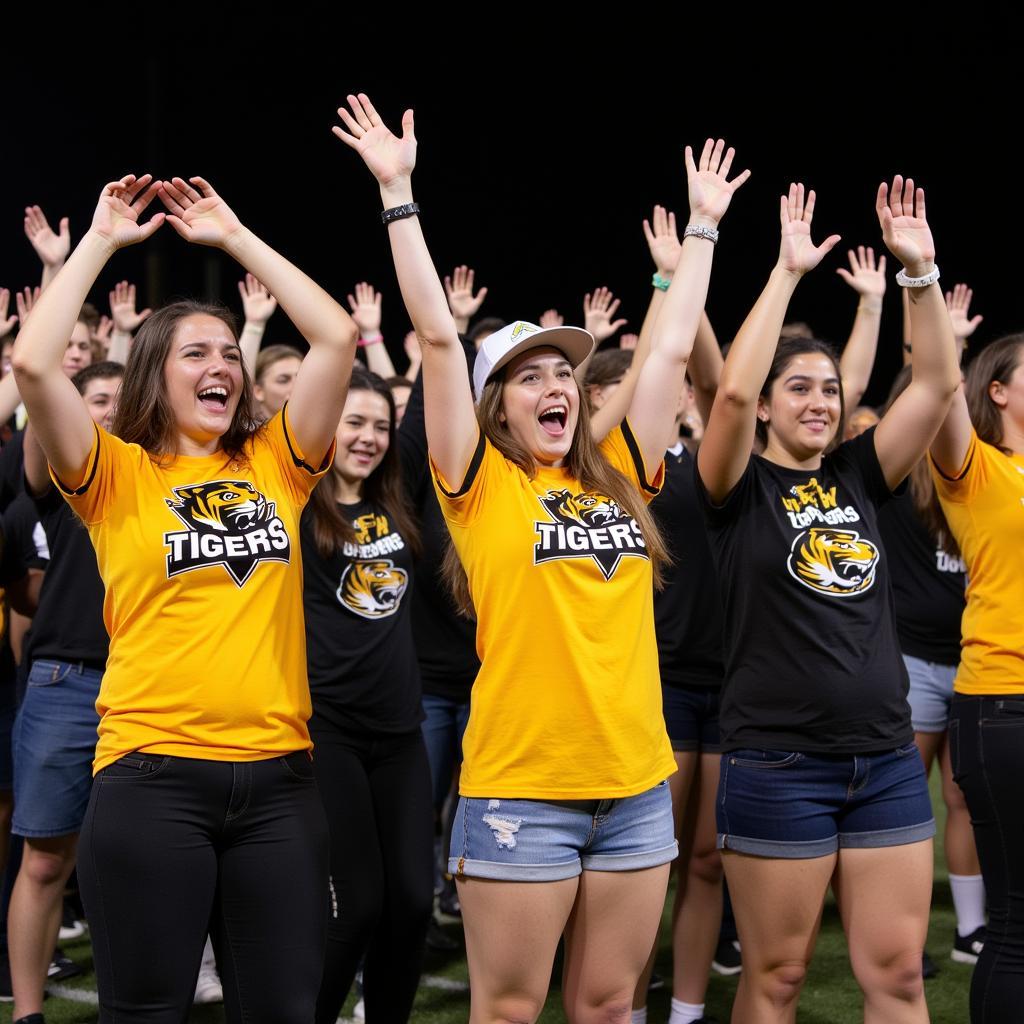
777	803
691	717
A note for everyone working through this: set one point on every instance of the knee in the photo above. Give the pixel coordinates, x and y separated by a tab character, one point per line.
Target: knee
46	868
510	1009
780	983
898	978
613	1010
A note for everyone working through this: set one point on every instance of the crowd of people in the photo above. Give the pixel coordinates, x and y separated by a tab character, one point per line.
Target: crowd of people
585	609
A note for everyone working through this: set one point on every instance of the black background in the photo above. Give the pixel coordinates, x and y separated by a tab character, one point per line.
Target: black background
544	142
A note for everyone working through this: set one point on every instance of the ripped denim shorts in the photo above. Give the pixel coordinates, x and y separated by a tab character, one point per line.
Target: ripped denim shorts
548	840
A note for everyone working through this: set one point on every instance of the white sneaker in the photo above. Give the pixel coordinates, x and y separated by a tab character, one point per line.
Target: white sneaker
208	986
359	1011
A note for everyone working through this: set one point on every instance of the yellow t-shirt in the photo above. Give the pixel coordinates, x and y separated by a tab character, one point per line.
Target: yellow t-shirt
984	506
567	703
201	562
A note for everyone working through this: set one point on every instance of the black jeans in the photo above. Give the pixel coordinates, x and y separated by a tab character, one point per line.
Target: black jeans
986	742
172	847
376	791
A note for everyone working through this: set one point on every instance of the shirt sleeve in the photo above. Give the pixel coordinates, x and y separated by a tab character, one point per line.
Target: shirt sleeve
110	460
299	476
968	479
621	449
461	503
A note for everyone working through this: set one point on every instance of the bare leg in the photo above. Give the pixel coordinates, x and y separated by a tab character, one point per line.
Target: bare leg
961	853
884	897
512	931
778	906
613	926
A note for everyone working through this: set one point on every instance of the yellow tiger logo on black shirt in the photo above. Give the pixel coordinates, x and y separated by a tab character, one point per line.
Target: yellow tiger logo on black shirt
838	562
373	589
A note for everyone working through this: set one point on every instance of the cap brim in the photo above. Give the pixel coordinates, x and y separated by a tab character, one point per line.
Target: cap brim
574	343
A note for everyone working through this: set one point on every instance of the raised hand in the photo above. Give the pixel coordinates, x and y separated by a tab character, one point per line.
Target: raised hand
198	214
257	302
52	249
459	289
6	322
901	212
25	300
365	306
551	318
629	342
709	191
864	277
388	157
797	253
122	308
663	240
958	302
598	310
413	352
103	333
116	219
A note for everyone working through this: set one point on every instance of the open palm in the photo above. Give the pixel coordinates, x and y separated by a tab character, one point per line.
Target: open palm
388	157
901	212
797	252
709	190
116	218
198	214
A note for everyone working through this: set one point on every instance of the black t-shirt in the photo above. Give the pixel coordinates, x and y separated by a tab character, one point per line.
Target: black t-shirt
812	659
12	465
928	585
445	640
68	626
688	611
25	548
363	675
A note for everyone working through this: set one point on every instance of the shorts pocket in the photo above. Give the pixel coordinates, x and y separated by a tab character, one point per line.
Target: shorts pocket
299	765
764	759
47	673
133	768
1009	709
907	749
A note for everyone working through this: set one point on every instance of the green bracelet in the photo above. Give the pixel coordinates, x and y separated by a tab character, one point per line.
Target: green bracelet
660	282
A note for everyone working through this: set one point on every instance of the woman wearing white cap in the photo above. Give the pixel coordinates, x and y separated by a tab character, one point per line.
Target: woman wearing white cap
564	822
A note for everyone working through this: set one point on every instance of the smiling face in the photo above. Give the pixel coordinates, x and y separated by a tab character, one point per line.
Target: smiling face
78	354
803	409
203	376
275	385
540	404
363	435
100	397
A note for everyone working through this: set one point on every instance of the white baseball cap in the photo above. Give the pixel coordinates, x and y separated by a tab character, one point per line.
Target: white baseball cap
502	346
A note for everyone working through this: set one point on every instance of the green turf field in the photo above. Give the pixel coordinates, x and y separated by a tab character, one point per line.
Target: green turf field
830	996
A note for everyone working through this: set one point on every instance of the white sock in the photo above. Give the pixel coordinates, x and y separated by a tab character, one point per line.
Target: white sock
685	1013
638	1016
968	902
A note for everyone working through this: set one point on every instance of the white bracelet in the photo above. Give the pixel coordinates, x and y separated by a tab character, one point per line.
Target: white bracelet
700	231
917	282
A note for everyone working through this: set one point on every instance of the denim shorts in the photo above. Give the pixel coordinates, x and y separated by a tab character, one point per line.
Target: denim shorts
777	803
54	743
546	841
691	717
931	693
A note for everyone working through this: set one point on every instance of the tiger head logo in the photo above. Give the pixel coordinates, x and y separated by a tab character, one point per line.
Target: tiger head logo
373	589
227	506
587	509
838	562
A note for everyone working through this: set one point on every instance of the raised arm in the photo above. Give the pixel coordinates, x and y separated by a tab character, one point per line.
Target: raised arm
51	247
450	416
858	358
258	305
729	434
653	409
200	215
912	421
125	319
461	300
59	415
366	311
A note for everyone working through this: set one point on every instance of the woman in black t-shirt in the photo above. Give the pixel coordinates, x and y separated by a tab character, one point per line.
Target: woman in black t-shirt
820	779
358	540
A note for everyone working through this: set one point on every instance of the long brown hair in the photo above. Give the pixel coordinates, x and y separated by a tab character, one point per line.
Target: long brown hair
921	486
995	362
144	415
332	530
584	462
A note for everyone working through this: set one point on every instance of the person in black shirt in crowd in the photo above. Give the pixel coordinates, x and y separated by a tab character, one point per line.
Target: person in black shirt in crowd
820	780
359	539
55	732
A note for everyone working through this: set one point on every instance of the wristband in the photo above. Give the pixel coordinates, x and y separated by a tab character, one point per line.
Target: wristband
700	231
917	282
661	283
374	339
399	212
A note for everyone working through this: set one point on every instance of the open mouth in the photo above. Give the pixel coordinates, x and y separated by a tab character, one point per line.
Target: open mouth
553	420
215	398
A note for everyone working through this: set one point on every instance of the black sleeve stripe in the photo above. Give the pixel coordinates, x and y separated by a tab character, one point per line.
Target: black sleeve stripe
91	475
302	464
638	459
963	472
474	468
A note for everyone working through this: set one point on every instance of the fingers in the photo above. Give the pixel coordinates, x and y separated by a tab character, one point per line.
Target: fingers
726	164
919	204
204	186
829	244
173	198
705	156
845	275
151	226
896	196
362	119
882	199
808	211
448	286
65	228
408	128
187	190
372	114
180	226
482	294
881	264
146	198
672	225
136	187
648	234
740	179
691	167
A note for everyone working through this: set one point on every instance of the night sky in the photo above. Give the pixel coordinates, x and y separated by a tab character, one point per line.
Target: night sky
541	146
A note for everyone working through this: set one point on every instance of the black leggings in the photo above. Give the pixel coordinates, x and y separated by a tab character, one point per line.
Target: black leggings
986	742
376	791
172	847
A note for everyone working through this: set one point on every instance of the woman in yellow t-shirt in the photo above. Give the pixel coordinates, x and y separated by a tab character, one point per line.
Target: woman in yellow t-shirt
978	468
204	798
565	820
